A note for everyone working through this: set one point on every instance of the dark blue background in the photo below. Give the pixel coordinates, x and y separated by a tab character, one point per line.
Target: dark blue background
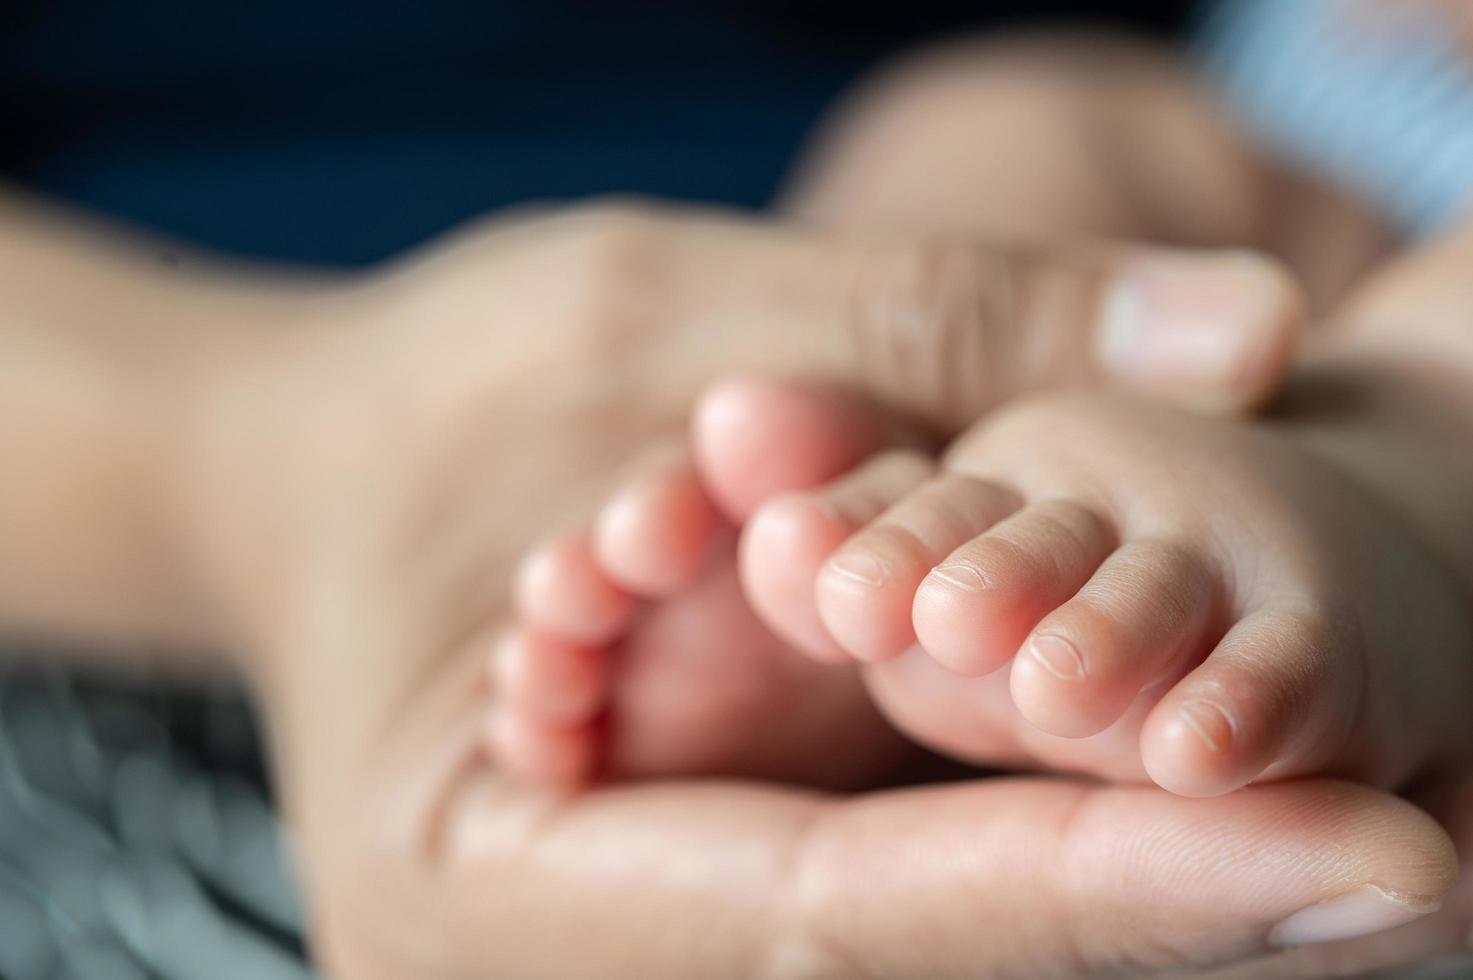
343	132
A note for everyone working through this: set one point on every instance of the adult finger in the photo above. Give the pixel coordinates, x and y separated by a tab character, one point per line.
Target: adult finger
943	330
1038	878
1434	947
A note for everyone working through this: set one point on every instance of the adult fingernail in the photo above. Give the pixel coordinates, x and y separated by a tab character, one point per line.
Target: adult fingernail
1361	912
1211	324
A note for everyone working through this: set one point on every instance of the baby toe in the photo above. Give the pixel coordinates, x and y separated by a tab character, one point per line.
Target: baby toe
553	679
785	545
652	536
560	588
977	606
559	757
1140	619
756	438
1274	695
866	590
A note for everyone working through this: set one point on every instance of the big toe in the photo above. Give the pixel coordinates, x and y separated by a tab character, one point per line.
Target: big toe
757	438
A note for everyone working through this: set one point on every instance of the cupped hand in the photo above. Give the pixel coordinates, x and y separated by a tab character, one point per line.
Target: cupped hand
999	878
360	475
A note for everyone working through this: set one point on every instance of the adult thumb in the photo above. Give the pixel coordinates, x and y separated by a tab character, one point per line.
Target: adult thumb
947	330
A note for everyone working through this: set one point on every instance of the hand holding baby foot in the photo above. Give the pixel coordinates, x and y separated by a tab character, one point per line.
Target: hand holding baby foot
347	469
365	555
856	912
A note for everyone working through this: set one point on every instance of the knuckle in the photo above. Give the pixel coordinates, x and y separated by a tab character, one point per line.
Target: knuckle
611	267
813	894
936	323
612	223
1099	927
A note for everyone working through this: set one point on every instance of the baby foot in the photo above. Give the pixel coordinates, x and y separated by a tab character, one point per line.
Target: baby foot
635	653
1204	602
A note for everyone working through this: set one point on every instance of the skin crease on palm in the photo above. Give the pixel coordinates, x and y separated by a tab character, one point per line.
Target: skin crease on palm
335	479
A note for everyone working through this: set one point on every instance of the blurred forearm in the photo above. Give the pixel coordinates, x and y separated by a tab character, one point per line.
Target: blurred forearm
105	345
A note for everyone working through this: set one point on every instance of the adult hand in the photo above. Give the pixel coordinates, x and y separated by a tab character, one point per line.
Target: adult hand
361	479
1002	878
1444	938
334	479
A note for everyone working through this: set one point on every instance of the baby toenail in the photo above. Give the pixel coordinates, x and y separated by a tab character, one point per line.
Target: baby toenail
1057	656
966	577
861	568
1208	722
